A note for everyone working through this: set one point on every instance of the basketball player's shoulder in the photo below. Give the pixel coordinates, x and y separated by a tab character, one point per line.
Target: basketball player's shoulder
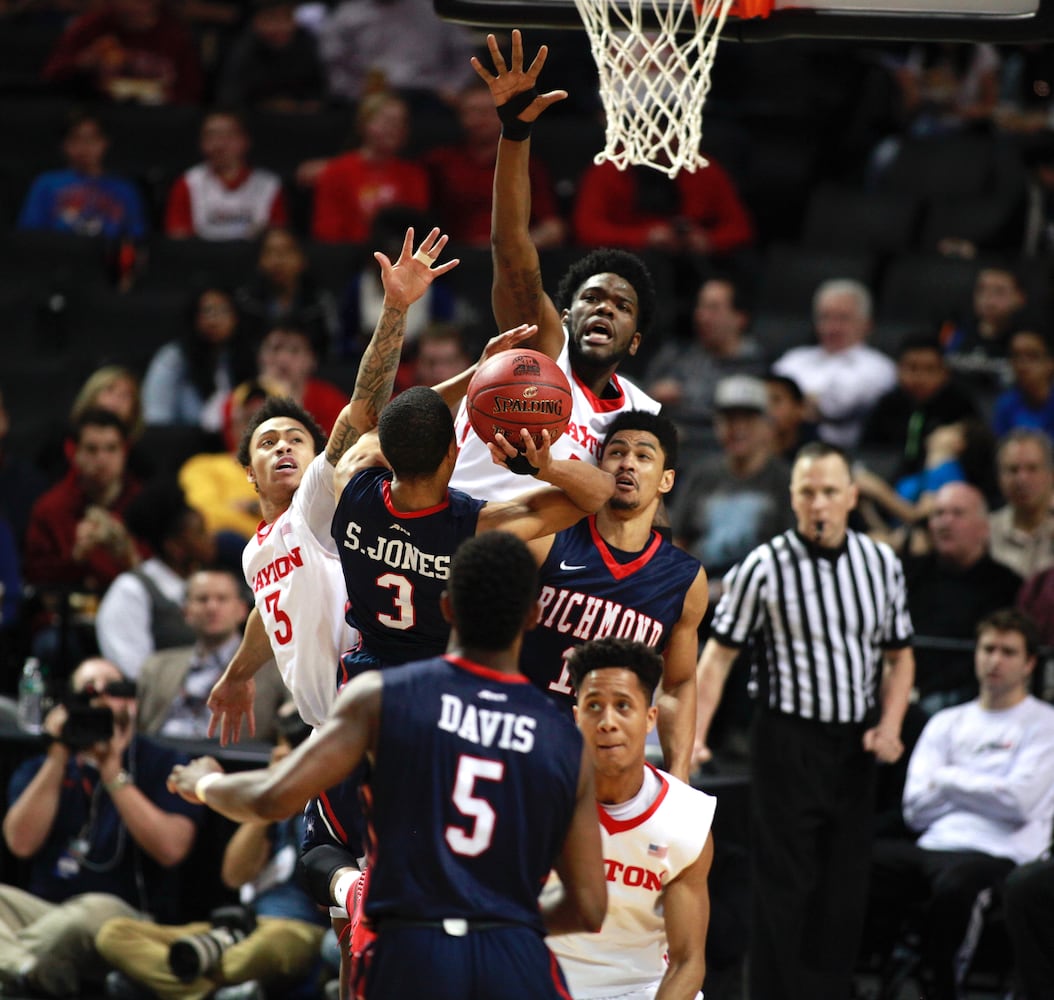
689	804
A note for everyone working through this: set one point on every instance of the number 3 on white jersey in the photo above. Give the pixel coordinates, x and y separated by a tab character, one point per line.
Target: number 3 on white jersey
469	769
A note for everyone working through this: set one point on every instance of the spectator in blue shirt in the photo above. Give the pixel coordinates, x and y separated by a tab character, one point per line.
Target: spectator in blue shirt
1029	402
83	199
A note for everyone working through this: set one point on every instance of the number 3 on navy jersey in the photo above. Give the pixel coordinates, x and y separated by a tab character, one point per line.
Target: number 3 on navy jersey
283	634
480	811
403	600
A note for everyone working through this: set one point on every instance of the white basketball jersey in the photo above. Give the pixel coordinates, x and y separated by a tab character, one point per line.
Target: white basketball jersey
476	473
642	855
220	212
293	569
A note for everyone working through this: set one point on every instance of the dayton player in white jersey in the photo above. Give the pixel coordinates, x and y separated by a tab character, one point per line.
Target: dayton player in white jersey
477	474
606	299
291	563
656	841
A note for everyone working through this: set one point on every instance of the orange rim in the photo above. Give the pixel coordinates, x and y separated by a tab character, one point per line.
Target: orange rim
744	9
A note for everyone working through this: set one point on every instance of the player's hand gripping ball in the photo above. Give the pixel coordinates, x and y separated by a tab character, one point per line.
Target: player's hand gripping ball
519	388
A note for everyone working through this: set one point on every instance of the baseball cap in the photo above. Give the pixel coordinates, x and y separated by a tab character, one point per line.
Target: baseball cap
741	392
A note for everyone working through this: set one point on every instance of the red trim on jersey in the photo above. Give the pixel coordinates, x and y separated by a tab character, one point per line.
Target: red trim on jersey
621	826
263	529
599	404
558	983
331	816
386	492
482	671
621	570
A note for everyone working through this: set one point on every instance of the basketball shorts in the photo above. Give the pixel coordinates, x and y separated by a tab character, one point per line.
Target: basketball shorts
510	962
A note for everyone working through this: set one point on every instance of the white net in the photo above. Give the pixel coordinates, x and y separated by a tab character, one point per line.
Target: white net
654	59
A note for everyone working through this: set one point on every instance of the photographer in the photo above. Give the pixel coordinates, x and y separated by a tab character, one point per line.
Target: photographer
271	940
100	832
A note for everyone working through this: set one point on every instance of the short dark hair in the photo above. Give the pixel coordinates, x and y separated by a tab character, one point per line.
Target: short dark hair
96	416
664	429
493	586
279	406
823	449
158	513
1012	620
78	116
606	654
415	431
788	383
919	342
607	261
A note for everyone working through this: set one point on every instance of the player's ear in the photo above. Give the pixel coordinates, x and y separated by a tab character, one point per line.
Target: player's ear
574	712
666	482
634	344
446	608
653	717
533	615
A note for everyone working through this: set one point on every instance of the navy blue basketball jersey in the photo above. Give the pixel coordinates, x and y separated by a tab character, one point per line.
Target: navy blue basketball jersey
471	795
591	591
396	565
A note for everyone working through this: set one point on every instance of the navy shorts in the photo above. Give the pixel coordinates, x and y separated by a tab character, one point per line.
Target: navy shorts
354	662
509	962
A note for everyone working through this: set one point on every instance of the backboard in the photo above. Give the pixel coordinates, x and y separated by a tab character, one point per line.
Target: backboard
997	21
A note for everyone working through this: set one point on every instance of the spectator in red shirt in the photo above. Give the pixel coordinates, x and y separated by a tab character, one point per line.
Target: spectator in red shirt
128	50
76	535
462	178
354	187
223	198
289	357
698	213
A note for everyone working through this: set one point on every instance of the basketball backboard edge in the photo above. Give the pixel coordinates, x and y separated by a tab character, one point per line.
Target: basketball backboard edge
1010	22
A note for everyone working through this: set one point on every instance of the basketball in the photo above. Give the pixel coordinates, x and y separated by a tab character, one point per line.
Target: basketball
519	388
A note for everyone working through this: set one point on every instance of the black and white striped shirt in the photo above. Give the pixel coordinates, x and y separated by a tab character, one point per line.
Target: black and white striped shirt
821	620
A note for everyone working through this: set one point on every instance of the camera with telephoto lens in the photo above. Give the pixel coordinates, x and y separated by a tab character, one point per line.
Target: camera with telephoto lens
196	955
87	724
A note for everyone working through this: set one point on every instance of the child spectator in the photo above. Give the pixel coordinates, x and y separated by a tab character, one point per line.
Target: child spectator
83	199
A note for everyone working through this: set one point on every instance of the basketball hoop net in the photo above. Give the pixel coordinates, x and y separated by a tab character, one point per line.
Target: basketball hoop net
654	59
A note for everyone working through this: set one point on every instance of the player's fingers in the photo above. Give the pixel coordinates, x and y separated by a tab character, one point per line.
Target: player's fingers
382	259
251	717
504	444
538	61
495	54
550	97
482	72
408	244
448	266
517	51
434	242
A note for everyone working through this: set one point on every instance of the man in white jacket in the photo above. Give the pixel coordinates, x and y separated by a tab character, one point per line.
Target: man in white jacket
980	792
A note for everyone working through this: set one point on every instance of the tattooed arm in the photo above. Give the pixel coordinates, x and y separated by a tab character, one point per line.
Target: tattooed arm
404	282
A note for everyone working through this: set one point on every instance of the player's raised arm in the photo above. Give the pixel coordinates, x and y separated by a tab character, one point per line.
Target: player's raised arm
580	904
518	295
404	283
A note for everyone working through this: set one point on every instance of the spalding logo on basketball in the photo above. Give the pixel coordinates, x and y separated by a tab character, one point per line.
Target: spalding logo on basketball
519	388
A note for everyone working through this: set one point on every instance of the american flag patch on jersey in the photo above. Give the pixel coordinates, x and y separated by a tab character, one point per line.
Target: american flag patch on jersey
657	851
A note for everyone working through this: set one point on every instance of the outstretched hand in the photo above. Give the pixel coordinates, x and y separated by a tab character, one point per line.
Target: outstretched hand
408	278
507	340
507	82
529	458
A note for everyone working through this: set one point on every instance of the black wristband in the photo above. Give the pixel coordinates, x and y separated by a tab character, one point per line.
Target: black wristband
319	865
521	466
514	128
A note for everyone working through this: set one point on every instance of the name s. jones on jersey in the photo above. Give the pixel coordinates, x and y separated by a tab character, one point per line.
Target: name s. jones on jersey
398	553
485	727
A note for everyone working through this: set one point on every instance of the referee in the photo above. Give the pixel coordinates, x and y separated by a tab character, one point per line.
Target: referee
827	609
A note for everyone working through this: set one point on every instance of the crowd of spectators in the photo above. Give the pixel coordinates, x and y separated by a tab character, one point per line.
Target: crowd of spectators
112	503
